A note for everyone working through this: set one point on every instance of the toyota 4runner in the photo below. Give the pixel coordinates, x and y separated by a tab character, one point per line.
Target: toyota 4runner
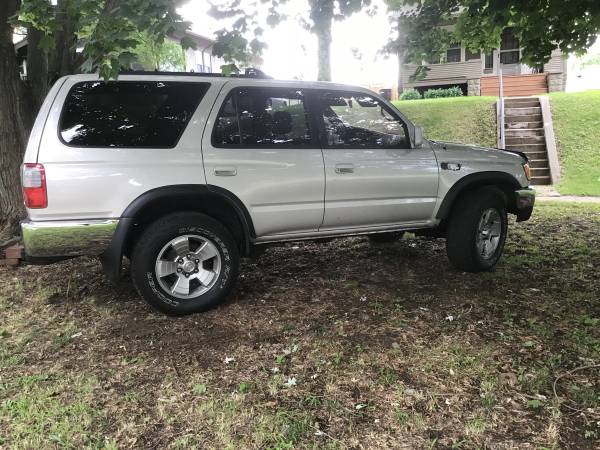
185	174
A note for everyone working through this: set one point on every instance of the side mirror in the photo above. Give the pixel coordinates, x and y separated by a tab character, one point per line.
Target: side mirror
418	137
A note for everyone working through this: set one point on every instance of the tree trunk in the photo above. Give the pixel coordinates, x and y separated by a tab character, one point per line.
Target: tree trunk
400	63
13	127
37	69
322	16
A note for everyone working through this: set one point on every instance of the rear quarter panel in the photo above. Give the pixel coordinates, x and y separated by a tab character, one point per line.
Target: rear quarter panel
91	183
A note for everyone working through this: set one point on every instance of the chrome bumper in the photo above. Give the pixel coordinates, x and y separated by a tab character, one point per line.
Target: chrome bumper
67	238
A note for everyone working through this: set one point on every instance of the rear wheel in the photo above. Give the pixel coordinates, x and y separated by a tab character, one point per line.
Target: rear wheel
185	263
477	230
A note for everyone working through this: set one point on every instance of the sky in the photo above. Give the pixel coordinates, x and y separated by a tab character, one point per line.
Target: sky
292	51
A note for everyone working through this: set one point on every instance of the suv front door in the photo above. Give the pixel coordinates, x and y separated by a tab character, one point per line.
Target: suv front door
263	149
374	178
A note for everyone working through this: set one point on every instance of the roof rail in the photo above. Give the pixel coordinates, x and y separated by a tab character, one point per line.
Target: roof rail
249	73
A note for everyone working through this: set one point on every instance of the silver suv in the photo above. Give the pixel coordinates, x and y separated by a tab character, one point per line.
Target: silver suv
185	174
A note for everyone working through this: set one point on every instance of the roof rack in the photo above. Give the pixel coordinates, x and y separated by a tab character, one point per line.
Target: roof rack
248	73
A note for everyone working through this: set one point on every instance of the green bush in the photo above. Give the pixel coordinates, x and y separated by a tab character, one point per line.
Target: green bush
454	91
410	94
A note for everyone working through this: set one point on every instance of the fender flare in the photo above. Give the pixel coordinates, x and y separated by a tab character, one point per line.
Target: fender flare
475	180
113	256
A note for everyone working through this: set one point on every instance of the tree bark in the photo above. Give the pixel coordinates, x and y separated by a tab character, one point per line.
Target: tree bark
14	125
322	16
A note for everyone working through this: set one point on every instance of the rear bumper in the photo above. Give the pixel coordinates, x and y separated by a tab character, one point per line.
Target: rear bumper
524	201
51	241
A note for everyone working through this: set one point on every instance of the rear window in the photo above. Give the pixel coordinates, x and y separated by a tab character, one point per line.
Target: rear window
128	113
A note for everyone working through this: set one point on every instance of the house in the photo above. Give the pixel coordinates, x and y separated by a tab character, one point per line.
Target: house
476	73
200	59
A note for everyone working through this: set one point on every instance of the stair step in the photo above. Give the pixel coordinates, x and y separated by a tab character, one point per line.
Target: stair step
523	125
527	148
521	103
525	140
523	132
523	118
541	180
540	172
540	163
526	111
536	155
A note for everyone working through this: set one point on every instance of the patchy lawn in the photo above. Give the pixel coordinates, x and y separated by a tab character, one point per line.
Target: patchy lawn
337	345
469	120
576	119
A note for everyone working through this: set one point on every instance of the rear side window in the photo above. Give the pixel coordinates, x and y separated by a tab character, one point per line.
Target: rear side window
128	113
261	117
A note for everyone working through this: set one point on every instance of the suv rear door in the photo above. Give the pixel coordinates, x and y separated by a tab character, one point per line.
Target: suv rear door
374	178
260	145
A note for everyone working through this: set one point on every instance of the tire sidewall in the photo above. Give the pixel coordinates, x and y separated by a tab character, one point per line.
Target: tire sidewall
144	261
497	204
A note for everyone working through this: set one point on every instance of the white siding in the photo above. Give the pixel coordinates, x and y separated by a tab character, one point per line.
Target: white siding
448	73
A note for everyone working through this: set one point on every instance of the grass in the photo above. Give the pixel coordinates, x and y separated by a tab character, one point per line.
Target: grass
576	119
469	120
333	345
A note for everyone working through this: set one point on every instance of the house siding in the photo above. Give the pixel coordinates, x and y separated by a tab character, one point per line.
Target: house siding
448	73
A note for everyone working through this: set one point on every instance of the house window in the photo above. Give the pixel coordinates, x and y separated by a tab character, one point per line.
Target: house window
453	52
509	48
489	62
470	56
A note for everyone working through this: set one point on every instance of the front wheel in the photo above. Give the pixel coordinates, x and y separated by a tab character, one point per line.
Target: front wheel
185	263
477	231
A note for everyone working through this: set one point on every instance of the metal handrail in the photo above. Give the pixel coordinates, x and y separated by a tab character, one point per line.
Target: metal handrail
501	100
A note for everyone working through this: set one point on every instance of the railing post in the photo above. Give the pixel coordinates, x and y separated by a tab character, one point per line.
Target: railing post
501	100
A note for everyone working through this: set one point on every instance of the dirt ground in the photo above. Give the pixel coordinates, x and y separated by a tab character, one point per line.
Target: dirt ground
337	345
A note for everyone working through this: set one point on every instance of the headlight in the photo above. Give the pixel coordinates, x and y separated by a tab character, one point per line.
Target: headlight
527	171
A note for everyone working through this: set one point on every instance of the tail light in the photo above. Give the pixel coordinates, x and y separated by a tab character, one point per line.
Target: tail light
33	179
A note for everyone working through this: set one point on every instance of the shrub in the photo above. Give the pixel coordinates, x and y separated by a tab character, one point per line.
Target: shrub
410	94
454	91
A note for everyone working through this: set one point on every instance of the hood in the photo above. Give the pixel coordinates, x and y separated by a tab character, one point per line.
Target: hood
469	151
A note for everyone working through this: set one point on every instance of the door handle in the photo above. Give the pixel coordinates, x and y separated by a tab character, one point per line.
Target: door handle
344	168
225	171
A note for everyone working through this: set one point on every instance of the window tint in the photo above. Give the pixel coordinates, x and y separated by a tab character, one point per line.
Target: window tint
257	117
129	113
361	121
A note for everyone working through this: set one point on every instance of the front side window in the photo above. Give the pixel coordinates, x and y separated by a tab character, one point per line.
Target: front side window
357	120
263	117
148	114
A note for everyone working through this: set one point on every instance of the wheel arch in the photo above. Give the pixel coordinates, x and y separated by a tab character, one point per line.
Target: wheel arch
216	202
504	182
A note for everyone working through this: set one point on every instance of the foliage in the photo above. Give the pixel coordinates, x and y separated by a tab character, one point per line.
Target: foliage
453	91
239	44
167	56
410	94
540	25
109	30
577	127
470	120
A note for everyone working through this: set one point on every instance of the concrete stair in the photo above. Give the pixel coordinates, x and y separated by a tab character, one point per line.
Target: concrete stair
524	131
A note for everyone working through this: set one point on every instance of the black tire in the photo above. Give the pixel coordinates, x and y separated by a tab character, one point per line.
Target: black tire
462	231
160	233
385	238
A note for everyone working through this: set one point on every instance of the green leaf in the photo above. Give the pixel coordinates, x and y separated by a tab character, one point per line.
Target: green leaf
199	389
